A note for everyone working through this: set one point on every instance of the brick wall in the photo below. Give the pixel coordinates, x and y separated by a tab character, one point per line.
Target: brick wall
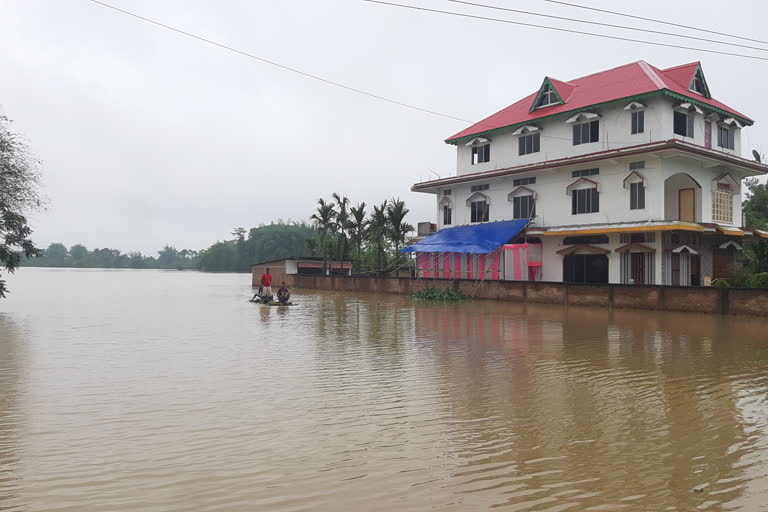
733	301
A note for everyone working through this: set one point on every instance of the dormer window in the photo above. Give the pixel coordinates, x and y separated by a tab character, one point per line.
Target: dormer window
699	84
547	97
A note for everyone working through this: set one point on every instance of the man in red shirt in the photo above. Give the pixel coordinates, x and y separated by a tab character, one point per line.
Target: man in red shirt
266	283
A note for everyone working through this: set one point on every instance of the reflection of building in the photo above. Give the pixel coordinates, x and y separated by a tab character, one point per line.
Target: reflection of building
301	265
609	404
632	175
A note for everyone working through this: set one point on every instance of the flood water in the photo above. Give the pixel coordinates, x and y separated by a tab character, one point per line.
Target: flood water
168	391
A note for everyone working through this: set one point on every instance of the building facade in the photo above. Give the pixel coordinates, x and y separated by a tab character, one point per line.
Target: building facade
632	175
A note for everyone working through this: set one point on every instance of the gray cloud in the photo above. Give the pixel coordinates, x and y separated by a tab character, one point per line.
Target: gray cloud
150	138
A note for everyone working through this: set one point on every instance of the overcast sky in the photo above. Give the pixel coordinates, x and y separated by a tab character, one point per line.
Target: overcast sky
149	137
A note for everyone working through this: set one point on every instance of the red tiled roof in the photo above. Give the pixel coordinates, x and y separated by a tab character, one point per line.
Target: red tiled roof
621	82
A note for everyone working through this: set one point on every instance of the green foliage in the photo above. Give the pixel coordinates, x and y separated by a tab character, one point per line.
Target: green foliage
435	294
759	280
264	243
755	209
721	283
19	185
78	256
755	206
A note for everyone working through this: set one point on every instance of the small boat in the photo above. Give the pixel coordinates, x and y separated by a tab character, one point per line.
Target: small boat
271	303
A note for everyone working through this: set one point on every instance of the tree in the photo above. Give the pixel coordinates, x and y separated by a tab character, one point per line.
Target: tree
324	222
136	260
342	221
378	232
167	256
57	255
311	245
398	229
755	206
755	209
19	195
358	226
78	253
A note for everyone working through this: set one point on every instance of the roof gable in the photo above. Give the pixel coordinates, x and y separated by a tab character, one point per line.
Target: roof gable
548	95
626	82
683	74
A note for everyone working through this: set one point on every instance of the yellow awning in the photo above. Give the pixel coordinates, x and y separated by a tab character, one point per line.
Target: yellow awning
761	234
727	230
682	226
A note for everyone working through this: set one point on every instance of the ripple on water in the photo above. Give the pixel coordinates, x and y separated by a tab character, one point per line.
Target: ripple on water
194	399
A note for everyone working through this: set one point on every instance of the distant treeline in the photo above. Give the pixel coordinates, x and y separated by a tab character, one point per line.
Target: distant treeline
273	241
78	256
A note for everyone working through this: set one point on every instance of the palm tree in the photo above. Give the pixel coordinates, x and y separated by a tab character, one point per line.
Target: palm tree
324	222
398	229
311	245
358	226
342	220
378	230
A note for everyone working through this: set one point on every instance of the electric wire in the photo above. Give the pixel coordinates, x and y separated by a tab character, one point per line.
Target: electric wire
316	77
603	24
680	25
277	64
560	29
305	74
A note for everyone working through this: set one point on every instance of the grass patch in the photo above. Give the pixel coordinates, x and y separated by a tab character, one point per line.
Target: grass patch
439	295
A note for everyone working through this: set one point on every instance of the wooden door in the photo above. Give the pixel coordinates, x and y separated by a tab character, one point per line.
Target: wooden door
637	272
686	200
695	270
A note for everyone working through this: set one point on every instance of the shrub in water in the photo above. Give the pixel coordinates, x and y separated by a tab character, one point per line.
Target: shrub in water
438	294
758	280
721	283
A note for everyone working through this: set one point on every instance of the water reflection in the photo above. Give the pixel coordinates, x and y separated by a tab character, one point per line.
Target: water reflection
606	407
194	401
10	410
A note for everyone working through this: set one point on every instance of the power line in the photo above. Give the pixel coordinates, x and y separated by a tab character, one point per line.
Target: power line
559	29
602	24
578	6
321	79
277	64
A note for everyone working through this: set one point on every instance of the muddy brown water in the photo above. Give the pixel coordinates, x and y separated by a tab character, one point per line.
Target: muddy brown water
168	391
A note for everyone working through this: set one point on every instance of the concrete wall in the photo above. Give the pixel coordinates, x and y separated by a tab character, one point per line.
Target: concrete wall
663	298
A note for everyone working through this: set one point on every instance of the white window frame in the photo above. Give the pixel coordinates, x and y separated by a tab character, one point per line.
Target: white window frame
551	96
731	136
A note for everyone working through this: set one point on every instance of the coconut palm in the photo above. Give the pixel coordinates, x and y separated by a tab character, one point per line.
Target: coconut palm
357	226
326	226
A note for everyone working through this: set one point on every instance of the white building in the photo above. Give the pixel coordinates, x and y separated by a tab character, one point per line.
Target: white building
630	175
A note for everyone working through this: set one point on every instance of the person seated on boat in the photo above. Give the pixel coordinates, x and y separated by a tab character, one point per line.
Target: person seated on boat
283	294
257	294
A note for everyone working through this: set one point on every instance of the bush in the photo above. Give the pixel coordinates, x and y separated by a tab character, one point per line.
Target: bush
721	283
438	294
758	280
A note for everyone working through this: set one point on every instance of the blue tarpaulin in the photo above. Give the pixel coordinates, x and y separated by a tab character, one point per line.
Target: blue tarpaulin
475	239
